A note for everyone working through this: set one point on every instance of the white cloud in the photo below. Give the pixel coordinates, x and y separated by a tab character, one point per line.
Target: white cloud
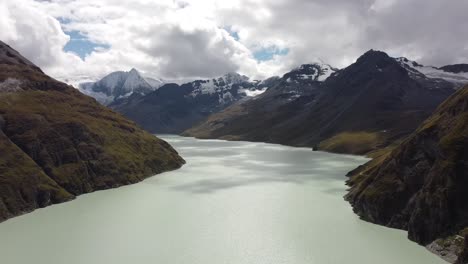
176	39
38	36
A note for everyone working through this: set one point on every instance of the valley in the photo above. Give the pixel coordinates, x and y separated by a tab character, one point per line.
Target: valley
198	132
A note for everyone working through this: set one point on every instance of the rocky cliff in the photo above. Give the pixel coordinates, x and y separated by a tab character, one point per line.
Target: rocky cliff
421	186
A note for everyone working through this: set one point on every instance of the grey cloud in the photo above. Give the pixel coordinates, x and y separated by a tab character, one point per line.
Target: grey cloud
153	36
338	31
186	54
434	30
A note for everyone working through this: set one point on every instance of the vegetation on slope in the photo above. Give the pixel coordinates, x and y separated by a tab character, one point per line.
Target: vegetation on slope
352	142
60	143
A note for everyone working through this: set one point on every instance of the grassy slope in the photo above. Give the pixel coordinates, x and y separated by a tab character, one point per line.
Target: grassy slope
57	143
23	184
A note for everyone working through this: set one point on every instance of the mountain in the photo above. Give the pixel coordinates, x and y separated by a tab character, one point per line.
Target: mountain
56	143
173	108
119	84
455	68
456	74
421	186
359	109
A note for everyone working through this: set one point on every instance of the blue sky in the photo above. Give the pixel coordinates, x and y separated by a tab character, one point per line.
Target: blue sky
264	54
267	54
80	45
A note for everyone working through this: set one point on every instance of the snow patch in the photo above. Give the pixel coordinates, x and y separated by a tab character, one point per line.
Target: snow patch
326	71
253	93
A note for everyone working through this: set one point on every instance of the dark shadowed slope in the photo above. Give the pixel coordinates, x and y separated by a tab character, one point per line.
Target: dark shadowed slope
422	185
56	143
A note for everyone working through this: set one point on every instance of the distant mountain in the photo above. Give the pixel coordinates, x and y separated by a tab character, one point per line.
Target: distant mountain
361	108
173	108
455	68
456	74
118	85
422	185
56	143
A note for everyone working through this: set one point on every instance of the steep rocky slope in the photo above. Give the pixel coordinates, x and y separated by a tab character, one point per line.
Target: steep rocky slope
421	186
361	108
174	108
56	143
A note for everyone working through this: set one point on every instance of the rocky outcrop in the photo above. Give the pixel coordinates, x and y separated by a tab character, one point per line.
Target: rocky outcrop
56	143
421	186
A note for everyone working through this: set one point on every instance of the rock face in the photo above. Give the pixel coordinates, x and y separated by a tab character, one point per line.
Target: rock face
361	108
56	143
174	108
421	186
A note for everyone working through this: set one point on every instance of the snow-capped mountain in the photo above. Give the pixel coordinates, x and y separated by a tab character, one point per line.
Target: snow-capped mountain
302	80
316	106
227	88
173	108
458	77
118	85
310	72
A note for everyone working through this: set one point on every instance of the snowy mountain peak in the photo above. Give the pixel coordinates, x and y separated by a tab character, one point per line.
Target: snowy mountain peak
120	84
311	72
235	78
135	81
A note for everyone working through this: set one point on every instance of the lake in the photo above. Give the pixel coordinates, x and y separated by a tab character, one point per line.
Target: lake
233	202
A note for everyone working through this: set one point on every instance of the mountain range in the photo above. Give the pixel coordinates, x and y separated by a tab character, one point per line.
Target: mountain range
364	107
56	143
174	108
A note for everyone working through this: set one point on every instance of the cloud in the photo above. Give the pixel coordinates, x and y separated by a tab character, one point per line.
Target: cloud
176	39
431	31
191	53
38	36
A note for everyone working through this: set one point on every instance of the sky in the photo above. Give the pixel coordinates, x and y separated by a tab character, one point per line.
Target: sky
177	40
